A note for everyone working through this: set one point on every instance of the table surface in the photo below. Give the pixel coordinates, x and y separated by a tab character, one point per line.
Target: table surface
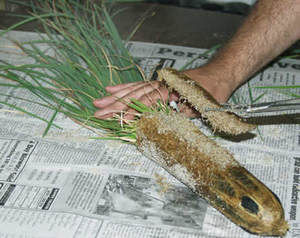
165	24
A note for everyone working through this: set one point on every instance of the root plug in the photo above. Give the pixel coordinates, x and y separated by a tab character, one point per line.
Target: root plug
177	145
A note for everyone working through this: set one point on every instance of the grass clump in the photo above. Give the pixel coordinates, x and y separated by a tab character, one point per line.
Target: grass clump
85	54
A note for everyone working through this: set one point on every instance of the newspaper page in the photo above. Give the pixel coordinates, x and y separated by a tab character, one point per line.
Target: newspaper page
68	185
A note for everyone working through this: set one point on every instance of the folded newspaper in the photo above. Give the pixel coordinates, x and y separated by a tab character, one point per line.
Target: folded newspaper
68	185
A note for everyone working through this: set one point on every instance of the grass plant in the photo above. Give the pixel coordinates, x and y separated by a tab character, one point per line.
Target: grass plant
87	54
84	54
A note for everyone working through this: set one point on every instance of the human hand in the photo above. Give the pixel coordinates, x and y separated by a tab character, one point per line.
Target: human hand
151	91
146	92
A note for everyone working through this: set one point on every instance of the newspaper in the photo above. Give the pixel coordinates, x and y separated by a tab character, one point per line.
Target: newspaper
67	185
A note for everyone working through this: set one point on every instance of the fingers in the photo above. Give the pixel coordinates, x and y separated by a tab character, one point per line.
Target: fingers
118	87
149	99
124	91
147	93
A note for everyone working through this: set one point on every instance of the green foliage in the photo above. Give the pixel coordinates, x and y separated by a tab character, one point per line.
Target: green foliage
86	54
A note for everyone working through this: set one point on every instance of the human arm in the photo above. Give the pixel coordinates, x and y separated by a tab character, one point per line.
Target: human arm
270	28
